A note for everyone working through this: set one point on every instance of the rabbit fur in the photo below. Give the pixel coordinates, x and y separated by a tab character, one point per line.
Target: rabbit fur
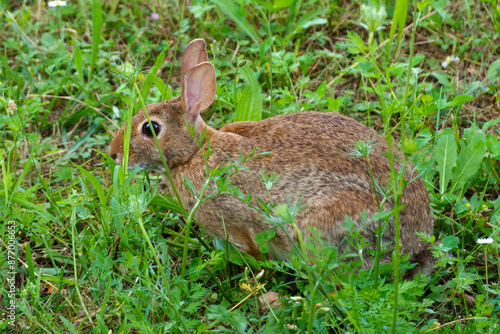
309	150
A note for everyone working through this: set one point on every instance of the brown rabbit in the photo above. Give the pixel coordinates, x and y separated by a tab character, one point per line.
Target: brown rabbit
310	150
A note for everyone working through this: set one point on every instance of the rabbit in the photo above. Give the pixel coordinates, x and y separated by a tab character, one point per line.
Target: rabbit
310	151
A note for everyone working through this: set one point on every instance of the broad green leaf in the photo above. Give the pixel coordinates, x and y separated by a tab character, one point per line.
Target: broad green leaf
305	20
474	88
461	99
421	5
468	163
101	324
334	104
264	236
34	208
159	60
249	106
264	248
446	158
473	134
29	261
442	79
381	215
493	71
423	138
321	90
282	3
490	123
439	7
57	279
417	59
235	256
69	326
314	22
495	150
230	8
162	87
450	242
96	33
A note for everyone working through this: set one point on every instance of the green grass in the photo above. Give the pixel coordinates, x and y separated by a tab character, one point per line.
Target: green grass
97	249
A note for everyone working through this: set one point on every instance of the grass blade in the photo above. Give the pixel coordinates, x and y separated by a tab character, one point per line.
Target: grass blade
398	21
96	33
238	15
95	182
82	140
150	77
77	56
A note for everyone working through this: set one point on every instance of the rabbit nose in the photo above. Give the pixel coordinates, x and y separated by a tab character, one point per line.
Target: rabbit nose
117	157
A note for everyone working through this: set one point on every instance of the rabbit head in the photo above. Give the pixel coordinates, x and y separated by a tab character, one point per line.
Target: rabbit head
170	119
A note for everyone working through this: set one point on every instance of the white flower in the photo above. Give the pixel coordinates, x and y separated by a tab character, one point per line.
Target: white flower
56	3
126	68
296	298
116	111
11	107
448	60
488	240
259	275
373	17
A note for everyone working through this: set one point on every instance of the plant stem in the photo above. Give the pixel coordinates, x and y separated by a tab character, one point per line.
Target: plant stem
75	271
486	268
189	220
379	230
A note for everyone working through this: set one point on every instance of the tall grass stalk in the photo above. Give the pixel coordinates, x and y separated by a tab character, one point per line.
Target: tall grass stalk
397	185
75	265
96	33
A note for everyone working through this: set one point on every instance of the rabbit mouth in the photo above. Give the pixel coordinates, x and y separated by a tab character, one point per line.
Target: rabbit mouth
145	166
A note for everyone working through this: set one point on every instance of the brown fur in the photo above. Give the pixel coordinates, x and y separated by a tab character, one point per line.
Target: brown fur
310	150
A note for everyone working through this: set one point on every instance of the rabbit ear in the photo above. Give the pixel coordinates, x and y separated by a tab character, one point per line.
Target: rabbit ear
199	88
194	54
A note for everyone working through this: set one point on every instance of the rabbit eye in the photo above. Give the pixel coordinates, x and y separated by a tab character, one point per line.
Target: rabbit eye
146	129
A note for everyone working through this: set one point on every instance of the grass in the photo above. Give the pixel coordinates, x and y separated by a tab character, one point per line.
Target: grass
96	249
